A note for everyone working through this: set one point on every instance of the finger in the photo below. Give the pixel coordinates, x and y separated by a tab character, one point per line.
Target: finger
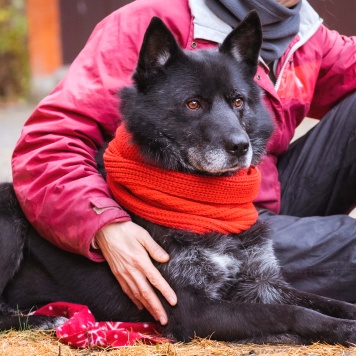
157	281
151	272
140	290
149	299
155	278
154	249
143	292
128	291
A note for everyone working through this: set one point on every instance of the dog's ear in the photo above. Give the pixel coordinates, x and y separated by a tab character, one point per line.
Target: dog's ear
244	42
158	48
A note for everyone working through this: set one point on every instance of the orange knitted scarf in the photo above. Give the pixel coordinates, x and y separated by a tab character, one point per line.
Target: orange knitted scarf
182	201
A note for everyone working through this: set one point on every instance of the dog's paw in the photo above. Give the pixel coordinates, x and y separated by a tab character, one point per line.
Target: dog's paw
52	323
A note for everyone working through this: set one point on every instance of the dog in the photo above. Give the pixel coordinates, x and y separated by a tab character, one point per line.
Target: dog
198	114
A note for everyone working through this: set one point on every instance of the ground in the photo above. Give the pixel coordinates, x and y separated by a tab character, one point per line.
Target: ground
28	343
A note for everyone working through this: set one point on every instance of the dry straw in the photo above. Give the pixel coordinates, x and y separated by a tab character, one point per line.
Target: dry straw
39	343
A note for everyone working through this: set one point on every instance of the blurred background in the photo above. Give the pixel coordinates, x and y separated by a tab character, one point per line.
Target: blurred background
40	38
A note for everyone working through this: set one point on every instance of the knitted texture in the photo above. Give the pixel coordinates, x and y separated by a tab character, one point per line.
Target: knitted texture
178	200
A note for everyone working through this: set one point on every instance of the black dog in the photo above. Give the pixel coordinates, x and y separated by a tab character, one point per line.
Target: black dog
193	112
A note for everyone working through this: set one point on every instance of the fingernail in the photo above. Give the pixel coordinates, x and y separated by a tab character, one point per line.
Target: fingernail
172	300
163	320
164	256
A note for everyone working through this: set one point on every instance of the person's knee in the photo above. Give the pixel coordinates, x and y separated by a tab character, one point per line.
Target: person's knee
345	112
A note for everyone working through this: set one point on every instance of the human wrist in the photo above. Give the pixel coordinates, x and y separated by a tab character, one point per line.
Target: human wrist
101	234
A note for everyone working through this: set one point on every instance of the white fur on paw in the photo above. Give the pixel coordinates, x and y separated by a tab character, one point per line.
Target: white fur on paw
54	323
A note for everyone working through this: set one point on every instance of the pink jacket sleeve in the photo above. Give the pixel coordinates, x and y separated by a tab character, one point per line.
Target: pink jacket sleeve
54	171
337	75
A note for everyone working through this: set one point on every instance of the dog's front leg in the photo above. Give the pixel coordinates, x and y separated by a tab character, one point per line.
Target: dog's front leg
327	306
197	315
13	231
20	322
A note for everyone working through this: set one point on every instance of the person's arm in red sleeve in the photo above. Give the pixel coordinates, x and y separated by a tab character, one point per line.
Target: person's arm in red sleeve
337	75
55	173
54	169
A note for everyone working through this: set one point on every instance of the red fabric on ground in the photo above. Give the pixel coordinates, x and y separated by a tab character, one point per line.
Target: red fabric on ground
81	330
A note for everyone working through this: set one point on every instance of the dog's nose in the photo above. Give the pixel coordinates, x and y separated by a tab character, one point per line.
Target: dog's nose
237	145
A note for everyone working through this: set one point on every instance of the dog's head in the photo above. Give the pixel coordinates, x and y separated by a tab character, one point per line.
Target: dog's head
198	111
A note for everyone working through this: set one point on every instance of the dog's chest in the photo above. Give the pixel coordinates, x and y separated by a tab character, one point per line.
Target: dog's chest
226	268
205	269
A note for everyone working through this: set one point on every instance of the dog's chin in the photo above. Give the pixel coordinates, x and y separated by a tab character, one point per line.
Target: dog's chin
227	170
217	162
224	171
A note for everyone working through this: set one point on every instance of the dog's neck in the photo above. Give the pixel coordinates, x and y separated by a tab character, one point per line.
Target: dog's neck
196	203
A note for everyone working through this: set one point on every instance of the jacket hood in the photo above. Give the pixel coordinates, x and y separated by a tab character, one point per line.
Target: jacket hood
208	26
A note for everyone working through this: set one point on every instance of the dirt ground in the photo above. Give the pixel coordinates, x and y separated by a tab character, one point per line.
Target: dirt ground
28	343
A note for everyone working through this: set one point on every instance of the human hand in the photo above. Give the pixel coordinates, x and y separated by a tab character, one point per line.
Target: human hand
125	247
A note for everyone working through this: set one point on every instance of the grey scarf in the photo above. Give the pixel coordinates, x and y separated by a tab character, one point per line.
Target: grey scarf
279	23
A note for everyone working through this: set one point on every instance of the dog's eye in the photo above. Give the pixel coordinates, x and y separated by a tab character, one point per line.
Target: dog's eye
193	104
238	102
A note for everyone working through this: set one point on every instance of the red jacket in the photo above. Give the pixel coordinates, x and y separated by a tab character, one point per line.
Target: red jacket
54	170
